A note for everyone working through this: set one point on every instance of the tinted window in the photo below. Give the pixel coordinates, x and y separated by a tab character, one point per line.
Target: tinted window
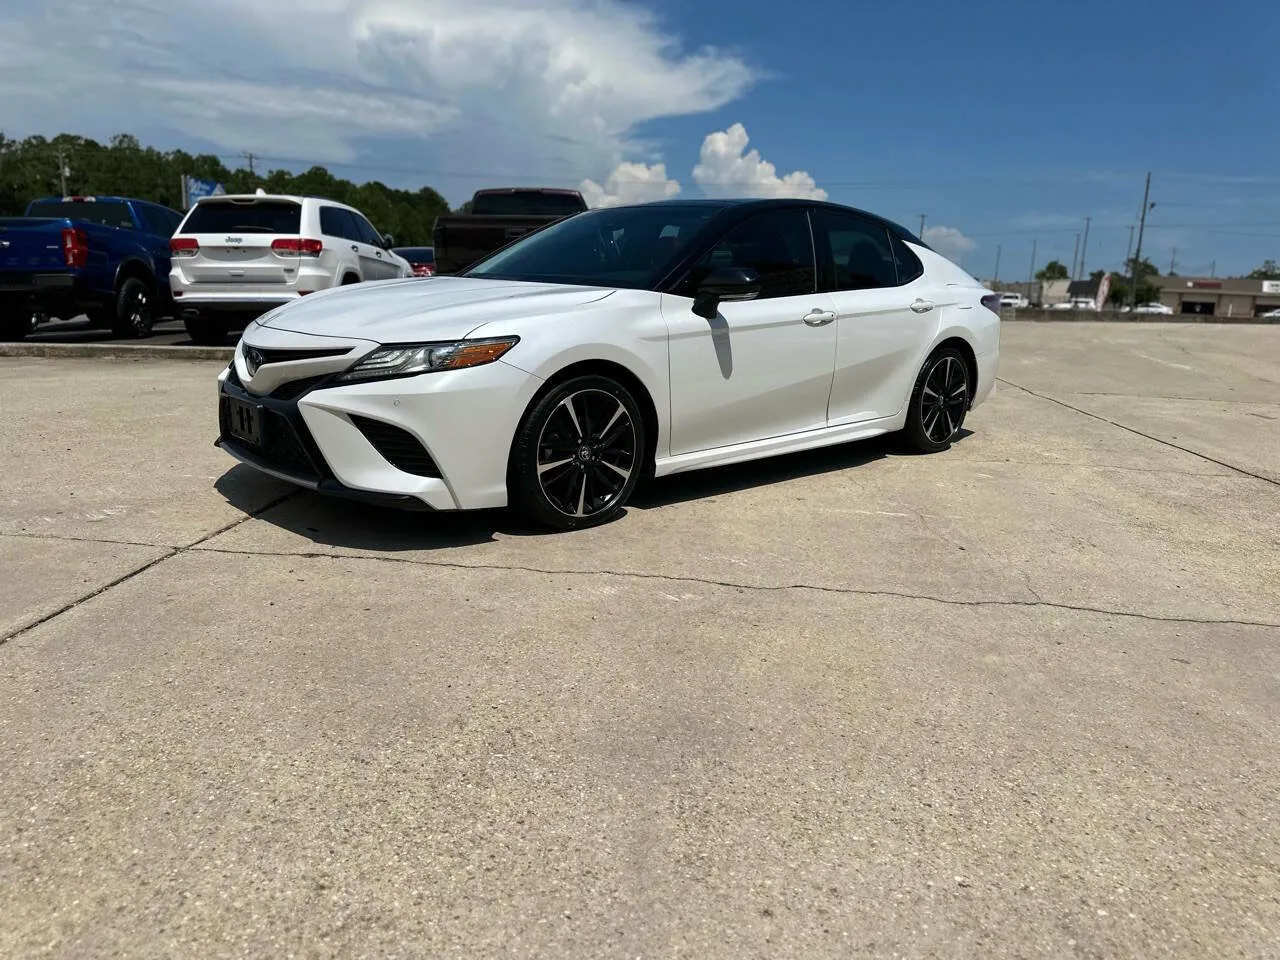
909	265
777	246
155	219
417	254
526	203
109	213
174	218
367	233
632	247
244	216
854	253
336	222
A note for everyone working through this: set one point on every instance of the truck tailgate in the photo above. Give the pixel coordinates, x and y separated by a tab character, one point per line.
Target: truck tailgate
31	245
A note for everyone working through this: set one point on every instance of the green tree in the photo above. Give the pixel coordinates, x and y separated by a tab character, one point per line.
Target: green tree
1053	270
124	167
1270	270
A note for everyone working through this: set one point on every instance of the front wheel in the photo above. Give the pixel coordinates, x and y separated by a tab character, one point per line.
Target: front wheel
133	315
578	454
939	401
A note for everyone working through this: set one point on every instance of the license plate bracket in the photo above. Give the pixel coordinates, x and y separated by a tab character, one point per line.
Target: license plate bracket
244	421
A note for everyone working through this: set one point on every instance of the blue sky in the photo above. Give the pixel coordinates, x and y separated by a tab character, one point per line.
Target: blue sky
1002	122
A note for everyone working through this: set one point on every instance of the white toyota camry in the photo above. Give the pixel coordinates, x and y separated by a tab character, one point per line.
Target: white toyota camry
621	343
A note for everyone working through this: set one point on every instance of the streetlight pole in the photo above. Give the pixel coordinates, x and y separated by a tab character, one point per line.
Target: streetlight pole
1084	247
1142	226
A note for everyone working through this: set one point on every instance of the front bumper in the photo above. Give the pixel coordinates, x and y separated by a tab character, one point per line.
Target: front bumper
439	441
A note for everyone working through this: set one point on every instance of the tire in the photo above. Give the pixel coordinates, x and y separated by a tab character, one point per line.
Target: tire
207	331
578	454
939	401
133	314
16	321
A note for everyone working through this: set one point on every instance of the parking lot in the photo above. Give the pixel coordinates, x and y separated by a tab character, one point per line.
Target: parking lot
1018	699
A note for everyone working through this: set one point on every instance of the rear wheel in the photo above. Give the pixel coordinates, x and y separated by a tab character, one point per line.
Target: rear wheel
939	401
133	315
578	454
16	320
207	331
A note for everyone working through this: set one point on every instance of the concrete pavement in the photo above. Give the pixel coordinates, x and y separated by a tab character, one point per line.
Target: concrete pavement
1018	699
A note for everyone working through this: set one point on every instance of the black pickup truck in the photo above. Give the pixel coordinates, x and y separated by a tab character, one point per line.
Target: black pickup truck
496	218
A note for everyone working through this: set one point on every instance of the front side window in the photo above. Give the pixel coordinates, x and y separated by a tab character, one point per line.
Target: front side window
776	245
366	230
854	254
108	213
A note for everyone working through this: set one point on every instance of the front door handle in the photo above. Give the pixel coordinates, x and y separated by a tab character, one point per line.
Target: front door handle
922	306
819	318
355	248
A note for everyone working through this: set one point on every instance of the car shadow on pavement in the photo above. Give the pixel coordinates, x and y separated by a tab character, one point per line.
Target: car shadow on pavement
347	524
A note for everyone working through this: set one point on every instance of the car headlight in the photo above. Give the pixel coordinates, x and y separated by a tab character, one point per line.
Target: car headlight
409	359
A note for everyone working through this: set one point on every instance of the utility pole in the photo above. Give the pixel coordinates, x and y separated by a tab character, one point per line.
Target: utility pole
63	172
1213	269
1075	257
996	278
1084	247
1173	261
1031	274
250	157
1142	227
922	226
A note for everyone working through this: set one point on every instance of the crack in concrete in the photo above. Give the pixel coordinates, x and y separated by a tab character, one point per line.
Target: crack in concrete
1105	466
1148	396
169	554
1136	432
734	585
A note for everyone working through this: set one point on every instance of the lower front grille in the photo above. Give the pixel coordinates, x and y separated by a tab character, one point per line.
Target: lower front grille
398	447
282	448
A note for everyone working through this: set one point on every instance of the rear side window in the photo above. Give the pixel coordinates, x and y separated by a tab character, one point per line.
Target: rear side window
853	254
336	222
909	265
253	216
526	203
109	213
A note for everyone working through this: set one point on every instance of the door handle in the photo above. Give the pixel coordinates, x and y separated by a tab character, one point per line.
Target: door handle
819	318
378	254
355	247
922	306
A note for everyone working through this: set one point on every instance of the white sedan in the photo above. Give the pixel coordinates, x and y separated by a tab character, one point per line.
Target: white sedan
1161	309
620	343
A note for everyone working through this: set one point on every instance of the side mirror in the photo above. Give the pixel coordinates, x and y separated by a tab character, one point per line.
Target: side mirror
388	241
725	285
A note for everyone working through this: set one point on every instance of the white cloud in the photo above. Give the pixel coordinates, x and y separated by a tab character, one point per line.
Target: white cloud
949	241
630	183
725	169
486	90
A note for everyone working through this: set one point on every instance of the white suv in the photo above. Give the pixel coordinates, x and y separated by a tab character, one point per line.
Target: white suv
236	257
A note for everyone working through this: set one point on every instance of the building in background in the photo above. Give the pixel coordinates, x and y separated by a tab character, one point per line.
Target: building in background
1218	296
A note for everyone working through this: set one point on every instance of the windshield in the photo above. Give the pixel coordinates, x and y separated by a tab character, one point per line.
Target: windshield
631	247
526	203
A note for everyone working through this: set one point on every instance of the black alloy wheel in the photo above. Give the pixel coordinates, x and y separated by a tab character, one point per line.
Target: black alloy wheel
578	454
134	315
939	402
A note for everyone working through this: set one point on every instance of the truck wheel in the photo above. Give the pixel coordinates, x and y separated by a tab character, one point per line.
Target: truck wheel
206	331
16	322
134	315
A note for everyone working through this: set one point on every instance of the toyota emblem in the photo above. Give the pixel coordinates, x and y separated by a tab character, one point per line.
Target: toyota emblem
252	360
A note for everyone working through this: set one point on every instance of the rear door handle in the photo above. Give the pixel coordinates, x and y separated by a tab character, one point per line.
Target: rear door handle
355	247
922	306
819	318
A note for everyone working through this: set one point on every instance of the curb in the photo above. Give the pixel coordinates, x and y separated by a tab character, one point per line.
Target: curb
115	351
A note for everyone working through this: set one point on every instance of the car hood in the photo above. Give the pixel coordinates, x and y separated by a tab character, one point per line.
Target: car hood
423	308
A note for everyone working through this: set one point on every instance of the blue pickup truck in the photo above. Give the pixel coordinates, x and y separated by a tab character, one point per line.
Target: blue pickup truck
107	257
